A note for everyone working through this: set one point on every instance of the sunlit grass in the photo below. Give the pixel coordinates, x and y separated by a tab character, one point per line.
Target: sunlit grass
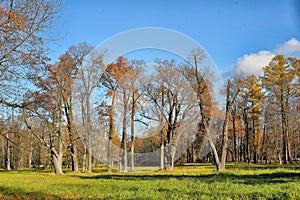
185	182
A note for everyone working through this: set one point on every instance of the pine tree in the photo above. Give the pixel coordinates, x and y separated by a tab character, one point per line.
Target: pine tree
279	82
253	97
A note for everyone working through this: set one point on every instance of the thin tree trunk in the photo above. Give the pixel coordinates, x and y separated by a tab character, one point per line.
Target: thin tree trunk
224	144
284	129
229	104
247	138
264	151
124	133
109	160
8	154
73	153
162	146
84	161
162	155
83	120
278	145
254	141
30	151
132	132
234	141
215	152
110	134
225	130
88	131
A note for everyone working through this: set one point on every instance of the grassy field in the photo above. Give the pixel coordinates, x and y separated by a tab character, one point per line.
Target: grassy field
185	182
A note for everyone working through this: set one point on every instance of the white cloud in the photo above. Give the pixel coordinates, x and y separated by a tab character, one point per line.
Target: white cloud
253	63
291	46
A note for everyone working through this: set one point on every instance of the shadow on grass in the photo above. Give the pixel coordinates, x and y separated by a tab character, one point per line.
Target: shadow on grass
17	193
245	166
275	177
260	167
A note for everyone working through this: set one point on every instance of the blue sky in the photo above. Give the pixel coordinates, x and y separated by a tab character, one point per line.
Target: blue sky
237	34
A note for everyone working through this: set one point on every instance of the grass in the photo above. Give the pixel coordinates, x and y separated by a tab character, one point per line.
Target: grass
185	182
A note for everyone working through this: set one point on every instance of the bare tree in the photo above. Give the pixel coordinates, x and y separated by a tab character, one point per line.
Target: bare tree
173	99
89	65
112	74
23	29
44	118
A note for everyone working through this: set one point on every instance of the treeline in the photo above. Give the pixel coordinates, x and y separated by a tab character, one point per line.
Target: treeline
81	111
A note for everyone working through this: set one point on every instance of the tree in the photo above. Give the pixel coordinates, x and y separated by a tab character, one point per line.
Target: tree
272	137
201	81
24	29
65	71
44	119
128	85
172	97
89	65
109	79
236	132
279	81
253	99
134	88
23	34
155	101
230	99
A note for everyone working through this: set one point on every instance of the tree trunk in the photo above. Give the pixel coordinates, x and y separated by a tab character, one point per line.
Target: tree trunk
278	145
84	163
30	151
89	153
73	153
110	134
224	144
125	159
173	153
254	142
229	104
162	145
57	161
284	129
74	160
8	154
132	157
109	160
124	133
215	152
235	155
225	130
247	150
132	132
162	156
88	131
57	156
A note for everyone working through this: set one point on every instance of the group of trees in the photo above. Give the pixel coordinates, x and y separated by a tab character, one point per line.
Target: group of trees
80	111
265	118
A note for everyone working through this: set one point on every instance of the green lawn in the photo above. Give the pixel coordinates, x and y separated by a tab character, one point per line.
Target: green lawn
185	182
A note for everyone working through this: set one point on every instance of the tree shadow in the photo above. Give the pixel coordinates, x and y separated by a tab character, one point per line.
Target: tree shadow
254	179
17	193
263	166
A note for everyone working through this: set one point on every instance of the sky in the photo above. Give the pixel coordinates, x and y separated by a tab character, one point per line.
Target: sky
238	35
